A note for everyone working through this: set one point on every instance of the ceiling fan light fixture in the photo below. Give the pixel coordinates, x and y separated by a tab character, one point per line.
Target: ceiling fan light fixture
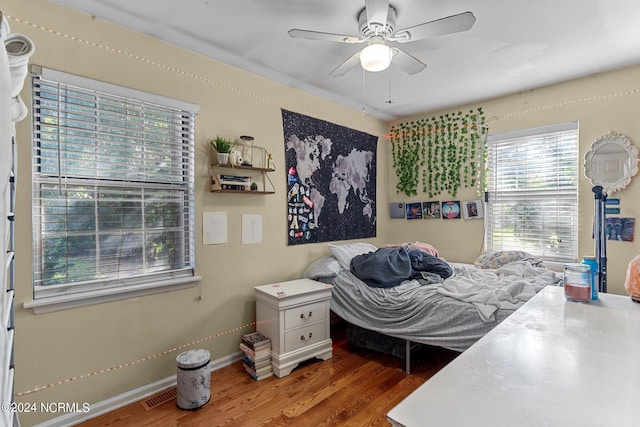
376	57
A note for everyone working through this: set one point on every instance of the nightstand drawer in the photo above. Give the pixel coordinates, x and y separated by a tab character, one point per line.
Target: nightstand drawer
304	315
304	336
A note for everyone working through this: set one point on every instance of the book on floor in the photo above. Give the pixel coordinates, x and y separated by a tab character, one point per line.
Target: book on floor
256	340
256	364
264	353
260	377
256	355
258	371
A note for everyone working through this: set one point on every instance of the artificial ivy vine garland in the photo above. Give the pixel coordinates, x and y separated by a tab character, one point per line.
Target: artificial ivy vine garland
441	153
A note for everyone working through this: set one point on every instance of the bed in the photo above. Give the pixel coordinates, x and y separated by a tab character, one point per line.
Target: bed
454	313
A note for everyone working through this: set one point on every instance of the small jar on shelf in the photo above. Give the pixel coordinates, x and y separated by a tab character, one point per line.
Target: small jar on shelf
247	150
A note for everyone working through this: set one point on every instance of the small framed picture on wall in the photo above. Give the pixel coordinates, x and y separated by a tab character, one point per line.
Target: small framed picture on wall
414	210
431	209
472	209
451	209
396	210
620	229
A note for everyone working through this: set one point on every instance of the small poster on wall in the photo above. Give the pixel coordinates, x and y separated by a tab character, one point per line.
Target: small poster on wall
251	229
472	209
620	229
414	210
396	210
431	209
214	228
451	209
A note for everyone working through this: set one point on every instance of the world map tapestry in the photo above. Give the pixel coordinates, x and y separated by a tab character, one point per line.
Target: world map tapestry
331	181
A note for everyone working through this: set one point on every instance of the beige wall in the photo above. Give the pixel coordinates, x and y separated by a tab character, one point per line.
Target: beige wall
56	346
600	103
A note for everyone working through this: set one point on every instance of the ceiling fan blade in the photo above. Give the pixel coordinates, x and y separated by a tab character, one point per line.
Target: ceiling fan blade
377	13
408	63
451	24
347	65
317	35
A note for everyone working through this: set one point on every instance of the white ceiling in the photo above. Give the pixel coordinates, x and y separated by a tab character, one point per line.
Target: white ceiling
515	45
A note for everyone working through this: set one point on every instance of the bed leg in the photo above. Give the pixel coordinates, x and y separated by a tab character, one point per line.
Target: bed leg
407	357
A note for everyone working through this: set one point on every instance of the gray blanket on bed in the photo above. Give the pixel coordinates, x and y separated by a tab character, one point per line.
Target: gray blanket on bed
421	313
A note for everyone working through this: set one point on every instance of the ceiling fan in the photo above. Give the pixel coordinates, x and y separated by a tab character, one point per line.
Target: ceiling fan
377	25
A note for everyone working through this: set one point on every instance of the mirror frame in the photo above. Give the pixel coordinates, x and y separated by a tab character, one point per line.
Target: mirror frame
624	143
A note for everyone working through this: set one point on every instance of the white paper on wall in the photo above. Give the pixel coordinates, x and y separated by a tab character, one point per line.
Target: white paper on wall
214	228
251	229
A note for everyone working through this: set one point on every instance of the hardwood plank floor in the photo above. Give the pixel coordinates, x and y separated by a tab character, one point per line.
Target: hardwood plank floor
357	387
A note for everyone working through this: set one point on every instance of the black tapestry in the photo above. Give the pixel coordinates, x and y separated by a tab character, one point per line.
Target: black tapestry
331	180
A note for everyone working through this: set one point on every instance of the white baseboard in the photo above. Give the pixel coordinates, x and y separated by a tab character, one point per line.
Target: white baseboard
131	396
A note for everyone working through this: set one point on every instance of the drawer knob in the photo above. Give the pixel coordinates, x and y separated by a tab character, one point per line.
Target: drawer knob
303	338
302	316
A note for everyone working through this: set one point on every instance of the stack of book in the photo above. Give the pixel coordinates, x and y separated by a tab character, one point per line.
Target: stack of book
235	182
256	355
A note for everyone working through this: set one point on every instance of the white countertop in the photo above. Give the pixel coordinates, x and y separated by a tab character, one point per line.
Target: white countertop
551	363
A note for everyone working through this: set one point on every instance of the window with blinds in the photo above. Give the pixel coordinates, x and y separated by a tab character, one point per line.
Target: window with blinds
533	192
113	186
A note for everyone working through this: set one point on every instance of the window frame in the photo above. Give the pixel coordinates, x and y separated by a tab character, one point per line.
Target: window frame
565	192
73	294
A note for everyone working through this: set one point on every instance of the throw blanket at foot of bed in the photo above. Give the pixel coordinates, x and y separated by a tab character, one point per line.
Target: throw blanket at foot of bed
507	287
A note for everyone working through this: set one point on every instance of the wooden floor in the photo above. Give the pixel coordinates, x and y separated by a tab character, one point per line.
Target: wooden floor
357	387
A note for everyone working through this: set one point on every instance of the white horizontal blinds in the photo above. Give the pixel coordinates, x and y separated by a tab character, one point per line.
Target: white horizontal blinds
113	188
533	192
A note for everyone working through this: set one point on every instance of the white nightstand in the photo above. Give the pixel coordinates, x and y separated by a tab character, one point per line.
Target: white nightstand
295	315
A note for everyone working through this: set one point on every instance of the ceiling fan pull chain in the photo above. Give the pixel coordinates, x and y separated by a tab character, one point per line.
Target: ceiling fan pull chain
389	101
364	91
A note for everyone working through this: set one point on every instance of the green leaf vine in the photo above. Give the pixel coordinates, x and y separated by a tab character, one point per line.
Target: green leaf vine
440	153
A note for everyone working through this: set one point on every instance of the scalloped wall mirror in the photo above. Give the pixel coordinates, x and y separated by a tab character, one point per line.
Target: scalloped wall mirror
611	162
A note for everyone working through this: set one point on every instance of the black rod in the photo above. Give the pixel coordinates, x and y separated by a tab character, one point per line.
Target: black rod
600	236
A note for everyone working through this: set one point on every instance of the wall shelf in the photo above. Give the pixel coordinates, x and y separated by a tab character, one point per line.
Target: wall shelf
215	187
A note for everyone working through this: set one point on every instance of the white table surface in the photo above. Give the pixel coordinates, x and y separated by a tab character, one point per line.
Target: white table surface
551	363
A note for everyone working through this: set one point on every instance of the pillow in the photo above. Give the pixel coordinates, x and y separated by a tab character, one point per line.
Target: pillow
326	266
500	258
345	252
